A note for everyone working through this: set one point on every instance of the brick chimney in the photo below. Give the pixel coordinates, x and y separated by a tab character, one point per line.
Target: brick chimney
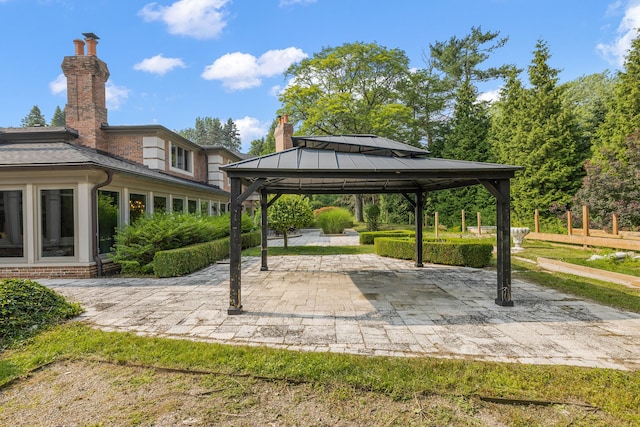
283	133
86	109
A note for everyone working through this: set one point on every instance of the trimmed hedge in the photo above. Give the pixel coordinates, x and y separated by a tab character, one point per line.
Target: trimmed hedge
367	237
460	252
181	261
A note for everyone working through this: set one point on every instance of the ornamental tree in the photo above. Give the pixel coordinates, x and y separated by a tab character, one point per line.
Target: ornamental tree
288	213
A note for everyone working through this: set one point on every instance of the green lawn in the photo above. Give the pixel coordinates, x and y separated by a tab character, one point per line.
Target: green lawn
612	396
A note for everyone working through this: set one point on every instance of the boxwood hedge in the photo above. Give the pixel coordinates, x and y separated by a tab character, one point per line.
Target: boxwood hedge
367	237
462	252
181	261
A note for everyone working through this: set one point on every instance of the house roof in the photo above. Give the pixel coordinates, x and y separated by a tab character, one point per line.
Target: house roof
65	155
360	164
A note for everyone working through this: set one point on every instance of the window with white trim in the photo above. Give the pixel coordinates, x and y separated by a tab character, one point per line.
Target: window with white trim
181	158
11	224
57	226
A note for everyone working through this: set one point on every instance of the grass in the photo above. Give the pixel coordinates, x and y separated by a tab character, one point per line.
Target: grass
578	255
615	393
605	293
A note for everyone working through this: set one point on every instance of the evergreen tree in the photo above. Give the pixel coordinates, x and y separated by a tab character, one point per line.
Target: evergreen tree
623	117
467	140
58	118
34	118
532	129
460	62
210	131
231	136
589	97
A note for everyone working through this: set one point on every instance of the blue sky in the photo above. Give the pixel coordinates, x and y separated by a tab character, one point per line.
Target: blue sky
174	60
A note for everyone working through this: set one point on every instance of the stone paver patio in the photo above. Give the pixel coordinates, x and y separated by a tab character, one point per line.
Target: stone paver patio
365	304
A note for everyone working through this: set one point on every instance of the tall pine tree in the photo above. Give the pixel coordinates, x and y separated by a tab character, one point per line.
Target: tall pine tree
532	129
58	118
34	118
460	61
468	140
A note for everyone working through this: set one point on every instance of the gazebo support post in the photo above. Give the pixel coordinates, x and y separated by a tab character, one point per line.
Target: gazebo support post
265	228
235	248
503	218
419	209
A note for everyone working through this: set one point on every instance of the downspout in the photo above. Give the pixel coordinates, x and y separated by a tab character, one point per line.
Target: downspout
94	220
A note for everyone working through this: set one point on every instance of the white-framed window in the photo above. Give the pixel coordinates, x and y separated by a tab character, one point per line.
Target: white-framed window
181	159
204	207
192	206
177	204
108	219
137	206
159	203
11	224
57	222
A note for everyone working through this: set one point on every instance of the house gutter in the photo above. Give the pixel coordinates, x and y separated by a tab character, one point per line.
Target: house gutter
94	219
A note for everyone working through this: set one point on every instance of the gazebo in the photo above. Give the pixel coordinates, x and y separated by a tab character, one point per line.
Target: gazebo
360	164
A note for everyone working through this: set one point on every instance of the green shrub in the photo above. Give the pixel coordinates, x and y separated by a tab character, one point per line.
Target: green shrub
373	216
367	237
462	252
334	221
181	261
137	244
27	306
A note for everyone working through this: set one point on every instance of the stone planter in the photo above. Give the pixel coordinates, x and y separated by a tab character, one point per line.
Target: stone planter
517	234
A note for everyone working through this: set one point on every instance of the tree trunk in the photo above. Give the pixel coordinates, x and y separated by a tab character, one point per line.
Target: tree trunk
285	243
357	207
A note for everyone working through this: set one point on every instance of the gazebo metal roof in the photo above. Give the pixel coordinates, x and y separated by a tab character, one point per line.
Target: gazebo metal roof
350	164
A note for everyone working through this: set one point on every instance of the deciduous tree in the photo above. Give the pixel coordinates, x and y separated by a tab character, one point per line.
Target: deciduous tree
350	89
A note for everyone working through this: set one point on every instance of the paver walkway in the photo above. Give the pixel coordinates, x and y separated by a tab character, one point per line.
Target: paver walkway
369	305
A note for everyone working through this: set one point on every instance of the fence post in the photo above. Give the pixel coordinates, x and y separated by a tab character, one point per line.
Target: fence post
585	221
464	223
479	225
569	224
536	220
615	224
435	225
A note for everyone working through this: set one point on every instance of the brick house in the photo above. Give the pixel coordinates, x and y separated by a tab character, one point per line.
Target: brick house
65	190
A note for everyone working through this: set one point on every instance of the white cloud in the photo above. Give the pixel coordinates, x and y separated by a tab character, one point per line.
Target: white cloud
159	65
201	19
59	85
490	95
627	30
251	128
115	96
239	70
